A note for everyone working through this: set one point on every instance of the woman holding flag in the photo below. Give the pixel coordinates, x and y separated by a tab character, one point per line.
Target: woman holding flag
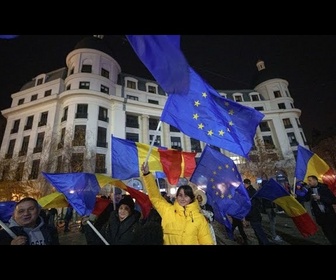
182	222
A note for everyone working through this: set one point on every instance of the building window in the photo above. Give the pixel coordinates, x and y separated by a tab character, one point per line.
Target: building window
79	136
282	106
132	137
10	150
298	122
35	169
104	89
105	73
153	101
65	114
153	123
47	93
195	145
68	87
16	125
59	164
24	147
5	173
132	121
132	97
44	119
173	129
287	123
303	138
131	84
82	110
238	98
77	162
29	123
277	94
19	171
102	115
86	68
157	141
151	89
84	85
39	143
61	142
264	126
33	97
259	108
176	143
268	141
39	81
100	163
255	97
101	137
291	138
72	70
21	101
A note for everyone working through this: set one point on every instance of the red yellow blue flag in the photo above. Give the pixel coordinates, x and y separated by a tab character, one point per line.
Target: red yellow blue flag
309	163
275	192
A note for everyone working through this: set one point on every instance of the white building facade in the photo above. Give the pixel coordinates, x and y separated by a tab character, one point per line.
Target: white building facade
64	119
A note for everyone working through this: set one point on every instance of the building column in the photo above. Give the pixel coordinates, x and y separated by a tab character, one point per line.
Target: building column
144	129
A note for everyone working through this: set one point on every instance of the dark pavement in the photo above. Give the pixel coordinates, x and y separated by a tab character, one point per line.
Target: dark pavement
284	227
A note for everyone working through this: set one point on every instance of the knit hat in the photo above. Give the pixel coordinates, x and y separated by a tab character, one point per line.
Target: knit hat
127	200
247	181
203	195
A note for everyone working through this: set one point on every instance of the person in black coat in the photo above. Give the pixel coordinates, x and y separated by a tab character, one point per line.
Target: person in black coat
28	227
322	200
254	216
121	225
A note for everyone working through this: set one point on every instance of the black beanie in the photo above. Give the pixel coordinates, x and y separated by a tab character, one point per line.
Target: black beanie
127	200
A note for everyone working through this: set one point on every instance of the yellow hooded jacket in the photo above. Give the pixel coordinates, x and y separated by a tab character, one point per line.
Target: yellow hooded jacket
181	225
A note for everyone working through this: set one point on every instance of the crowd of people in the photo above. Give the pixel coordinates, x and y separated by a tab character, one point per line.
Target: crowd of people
188	220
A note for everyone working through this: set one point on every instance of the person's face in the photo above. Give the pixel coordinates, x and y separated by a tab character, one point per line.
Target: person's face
123	212
312	182
183	199
199	199
26	214
117	197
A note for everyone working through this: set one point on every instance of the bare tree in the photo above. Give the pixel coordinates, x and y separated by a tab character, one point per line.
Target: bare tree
265	161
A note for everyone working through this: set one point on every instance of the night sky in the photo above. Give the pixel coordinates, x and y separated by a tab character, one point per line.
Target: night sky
307	62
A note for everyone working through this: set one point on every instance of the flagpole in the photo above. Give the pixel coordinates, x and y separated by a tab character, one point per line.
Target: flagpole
294	186
153	141
113	197
98	233
9	231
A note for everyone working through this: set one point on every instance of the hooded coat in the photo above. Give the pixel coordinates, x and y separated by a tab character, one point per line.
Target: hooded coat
42	234
181	225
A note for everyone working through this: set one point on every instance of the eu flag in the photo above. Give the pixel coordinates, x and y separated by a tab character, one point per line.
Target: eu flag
224	186
193	106
6	210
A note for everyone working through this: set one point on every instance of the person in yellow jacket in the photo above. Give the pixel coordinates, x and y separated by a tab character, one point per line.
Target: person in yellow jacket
182	222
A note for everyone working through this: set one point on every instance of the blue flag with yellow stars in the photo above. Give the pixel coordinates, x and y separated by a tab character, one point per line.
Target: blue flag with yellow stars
193	106
218	175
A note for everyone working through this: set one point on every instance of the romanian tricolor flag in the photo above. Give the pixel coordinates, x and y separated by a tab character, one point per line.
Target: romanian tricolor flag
53	200
141	198
128	156
81	189
275	192
309	163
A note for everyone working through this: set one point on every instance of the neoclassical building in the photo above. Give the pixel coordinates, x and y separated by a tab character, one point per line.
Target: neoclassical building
62	121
